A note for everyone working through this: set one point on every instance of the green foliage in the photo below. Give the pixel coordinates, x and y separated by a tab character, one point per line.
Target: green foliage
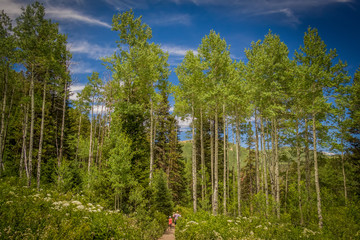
162	198
48	214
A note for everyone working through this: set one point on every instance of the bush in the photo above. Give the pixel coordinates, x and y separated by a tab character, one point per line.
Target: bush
28	214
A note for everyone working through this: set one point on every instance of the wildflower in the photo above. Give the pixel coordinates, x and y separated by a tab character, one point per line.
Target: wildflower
258	226
265	228
193	222
229	221
66	204
251	233
49	195
80	207
9	202
11	193
218	236
76	202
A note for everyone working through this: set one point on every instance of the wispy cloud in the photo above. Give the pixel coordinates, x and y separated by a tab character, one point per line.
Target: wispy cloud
121	5
54	11
290	9
177	50
94	51
67	14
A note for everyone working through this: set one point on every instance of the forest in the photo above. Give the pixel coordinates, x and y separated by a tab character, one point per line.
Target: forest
274	150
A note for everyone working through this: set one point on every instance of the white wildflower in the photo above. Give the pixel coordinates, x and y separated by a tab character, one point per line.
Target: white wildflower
251	233
76	202
11	193
66	204
218	236
192	222
9	202
90	205
258	226
229	221
80	207
49	195
265	228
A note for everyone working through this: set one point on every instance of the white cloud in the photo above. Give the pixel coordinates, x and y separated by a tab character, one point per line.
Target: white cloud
177	50
13	9
68	14
329	153
184	123
94	51
74	89
80	67
77	88
122	5
263	7
100	108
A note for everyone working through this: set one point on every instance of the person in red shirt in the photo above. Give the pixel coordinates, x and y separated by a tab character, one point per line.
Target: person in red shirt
170	222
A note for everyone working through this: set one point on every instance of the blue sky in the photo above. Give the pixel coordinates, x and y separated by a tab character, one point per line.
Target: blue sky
179	25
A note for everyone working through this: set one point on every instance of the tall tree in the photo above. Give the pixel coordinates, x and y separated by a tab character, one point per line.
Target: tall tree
317	61
215	58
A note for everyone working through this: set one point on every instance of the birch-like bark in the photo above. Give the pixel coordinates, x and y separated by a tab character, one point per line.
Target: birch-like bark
41	137
317	184
3	118
238	165
202	157
224	175
23	150
212	160
307	162
299	173
91	132
32	120
343	171
62	131
194	179
151	142
216	165
99	137
277	183
257	155
264	166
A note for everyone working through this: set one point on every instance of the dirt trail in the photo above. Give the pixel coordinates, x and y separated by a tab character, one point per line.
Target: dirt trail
169	234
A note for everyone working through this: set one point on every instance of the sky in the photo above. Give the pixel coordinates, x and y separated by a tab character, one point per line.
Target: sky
180	25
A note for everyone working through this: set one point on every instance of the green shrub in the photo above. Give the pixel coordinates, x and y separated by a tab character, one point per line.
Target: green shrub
28	214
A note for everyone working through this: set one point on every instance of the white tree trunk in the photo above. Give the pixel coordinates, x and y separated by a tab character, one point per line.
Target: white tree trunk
317	184
41	137
194	179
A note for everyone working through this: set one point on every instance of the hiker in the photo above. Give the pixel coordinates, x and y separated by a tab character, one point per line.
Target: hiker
176	216
170	222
